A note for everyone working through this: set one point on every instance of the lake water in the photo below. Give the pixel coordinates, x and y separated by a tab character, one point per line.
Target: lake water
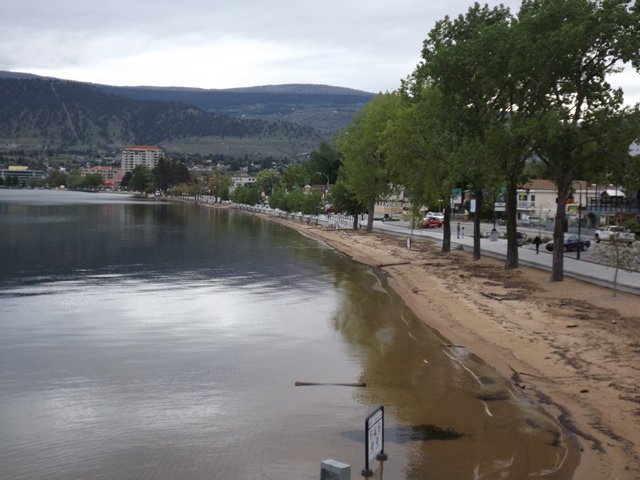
149	340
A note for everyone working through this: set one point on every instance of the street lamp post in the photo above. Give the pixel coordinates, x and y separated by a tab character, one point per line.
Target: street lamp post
579	249
327	177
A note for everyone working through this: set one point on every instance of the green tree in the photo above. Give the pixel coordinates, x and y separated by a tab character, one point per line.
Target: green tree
246	195
219	184
417	144
325	160
294	200
75	181
365	172
278	197
57	178
169	172
93	181
126	179
312	203
567	50
295	176
345	201
141	179
267	180
464	58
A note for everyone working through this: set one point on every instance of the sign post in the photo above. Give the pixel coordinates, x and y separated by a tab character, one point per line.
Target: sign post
374	440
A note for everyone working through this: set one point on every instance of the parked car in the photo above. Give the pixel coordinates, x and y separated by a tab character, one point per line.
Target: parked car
329	208
619	233
438	215
531	221
431	222
571	244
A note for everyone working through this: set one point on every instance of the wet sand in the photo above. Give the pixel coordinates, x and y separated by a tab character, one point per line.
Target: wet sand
572	347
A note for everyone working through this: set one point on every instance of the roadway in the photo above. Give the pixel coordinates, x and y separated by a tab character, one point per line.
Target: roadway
584	269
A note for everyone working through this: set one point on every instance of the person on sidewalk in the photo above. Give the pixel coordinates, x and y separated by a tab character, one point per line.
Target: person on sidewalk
537	242
462	232
458	229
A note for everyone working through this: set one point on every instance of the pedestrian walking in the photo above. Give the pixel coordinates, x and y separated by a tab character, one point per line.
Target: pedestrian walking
458	231
537	242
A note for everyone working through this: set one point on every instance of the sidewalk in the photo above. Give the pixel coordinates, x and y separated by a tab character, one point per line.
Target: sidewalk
580	269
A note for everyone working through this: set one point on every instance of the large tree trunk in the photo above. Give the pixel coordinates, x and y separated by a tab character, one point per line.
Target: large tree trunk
355	221
446	229
476	226
370	211
512	227
557	265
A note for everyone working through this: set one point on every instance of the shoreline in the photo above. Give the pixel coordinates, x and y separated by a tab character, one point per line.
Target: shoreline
572	347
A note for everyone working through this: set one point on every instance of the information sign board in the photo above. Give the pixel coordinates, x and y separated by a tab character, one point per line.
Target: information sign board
374	429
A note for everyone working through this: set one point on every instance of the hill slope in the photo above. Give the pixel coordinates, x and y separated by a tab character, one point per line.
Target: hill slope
317	106
63	115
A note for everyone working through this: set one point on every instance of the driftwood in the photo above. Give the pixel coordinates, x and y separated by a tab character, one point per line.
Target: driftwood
384	265
312	384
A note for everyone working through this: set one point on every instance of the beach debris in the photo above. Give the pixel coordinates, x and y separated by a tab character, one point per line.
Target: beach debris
384	265
515	378
312	384
493	396
502	296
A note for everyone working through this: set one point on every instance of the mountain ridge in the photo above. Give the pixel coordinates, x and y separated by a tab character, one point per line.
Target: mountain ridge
284	120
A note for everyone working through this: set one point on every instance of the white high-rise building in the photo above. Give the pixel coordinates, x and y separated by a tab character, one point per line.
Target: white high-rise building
140	155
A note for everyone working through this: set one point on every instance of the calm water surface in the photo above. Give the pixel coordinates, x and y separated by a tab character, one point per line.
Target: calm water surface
144	340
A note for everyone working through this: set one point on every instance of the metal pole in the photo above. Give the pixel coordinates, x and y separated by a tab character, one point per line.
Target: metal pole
327	177
579	225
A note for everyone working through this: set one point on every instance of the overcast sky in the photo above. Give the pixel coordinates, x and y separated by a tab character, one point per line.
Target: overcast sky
364	44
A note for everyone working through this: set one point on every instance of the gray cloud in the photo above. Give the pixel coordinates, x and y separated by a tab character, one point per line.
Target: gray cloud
365	44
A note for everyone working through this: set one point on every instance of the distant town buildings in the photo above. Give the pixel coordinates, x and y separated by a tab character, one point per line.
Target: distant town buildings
22	173
111	176
135	155
242	180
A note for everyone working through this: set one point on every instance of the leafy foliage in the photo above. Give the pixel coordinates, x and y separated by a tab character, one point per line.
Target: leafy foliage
170	172
365	172
141	179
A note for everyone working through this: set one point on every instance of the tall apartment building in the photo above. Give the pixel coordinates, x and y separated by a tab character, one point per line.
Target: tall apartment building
140	155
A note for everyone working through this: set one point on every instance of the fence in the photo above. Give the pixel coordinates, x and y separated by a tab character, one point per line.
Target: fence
335	221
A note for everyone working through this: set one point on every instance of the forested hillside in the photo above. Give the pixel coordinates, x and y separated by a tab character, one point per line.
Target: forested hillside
39	113
317	106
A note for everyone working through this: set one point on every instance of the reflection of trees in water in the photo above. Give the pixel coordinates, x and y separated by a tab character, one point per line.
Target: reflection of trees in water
392	343
407	434
434	392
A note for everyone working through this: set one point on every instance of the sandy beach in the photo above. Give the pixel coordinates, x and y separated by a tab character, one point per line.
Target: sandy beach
572	347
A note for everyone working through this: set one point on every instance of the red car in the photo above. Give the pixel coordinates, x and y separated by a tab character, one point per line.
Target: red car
431	222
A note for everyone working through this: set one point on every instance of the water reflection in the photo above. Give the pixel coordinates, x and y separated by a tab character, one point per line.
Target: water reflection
460	419
164	341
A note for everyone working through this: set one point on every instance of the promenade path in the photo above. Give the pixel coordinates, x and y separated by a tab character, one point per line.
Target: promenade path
584	269
581	269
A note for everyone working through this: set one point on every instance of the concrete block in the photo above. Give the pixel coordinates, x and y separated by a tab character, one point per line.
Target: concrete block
334	470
